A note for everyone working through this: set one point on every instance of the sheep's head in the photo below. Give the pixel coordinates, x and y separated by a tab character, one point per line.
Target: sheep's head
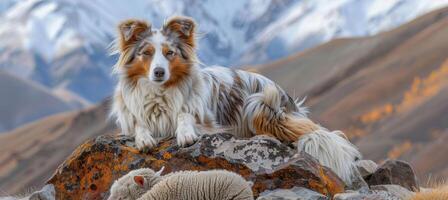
134	184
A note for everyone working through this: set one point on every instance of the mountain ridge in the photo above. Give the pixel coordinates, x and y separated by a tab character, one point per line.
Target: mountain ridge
24	101
42	39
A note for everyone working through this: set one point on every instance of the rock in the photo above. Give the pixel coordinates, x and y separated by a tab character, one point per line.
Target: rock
47	193
91	169
366	167
358	182
395	172
295	193
369	195
349	196
381	194
396	190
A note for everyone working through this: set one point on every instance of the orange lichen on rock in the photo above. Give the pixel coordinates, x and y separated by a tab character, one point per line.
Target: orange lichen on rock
92	168
166	155
330	185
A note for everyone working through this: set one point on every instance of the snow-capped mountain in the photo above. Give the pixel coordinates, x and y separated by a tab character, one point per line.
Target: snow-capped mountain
62	44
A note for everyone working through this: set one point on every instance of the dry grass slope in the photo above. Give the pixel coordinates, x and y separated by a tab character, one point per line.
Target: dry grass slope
440	193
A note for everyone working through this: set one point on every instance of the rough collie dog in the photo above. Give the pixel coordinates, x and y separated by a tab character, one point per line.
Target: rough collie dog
162	92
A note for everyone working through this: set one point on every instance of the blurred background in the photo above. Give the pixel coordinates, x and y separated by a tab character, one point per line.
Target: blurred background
375	69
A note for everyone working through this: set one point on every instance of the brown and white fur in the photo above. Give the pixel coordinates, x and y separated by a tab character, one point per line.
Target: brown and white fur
162	92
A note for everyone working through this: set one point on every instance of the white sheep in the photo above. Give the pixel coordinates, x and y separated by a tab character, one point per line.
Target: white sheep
188	185
134	184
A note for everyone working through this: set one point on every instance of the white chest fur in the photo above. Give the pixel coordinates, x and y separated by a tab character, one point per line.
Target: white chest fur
158	109
154	109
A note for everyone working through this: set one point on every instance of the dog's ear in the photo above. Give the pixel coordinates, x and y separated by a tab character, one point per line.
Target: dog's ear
132	31
182	28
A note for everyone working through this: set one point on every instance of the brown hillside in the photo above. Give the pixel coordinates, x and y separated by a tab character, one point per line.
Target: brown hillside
30	154
388	92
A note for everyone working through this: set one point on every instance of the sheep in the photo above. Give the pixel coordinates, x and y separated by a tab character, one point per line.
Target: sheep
206	185
134	184
185	185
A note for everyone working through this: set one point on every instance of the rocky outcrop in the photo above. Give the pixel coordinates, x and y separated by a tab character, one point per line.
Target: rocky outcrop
276	170
91	169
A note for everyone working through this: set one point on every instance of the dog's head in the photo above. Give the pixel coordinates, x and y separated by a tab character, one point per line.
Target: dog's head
163	56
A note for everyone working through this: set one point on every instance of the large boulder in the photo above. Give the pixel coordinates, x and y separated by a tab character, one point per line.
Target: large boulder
91	169
395	172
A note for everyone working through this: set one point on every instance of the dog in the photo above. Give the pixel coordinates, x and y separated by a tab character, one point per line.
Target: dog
163	92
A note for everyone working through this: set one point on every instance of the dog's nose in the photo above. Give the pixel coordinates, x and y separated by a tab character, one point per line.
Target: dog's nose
159	72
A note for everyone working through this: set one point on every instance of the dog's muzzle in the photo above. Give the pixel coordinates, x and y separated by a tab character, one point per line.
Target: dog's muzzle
159	74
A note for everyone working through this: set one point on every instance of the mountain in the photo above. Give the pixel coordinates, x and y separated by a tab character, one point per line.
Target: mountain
30	154
23	101
6	4
62	43
388	92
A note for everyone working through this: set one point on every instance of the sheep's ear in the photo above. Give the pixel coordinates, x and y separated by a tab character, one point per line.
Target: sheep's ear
159	173
182	28
132	31
139	180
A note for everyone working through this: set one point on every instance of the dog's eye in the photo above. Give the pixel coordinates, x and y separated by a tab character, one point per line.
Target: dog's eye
148	53
169	53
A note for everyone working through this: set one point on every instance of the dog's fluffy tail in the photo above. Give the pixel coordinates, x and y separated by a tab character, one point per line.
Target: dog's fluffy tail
266	113
332	151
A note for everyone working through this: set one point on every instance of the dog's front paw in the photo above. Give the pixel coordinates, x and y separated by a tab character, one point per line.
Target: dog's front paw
186	136
144	140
